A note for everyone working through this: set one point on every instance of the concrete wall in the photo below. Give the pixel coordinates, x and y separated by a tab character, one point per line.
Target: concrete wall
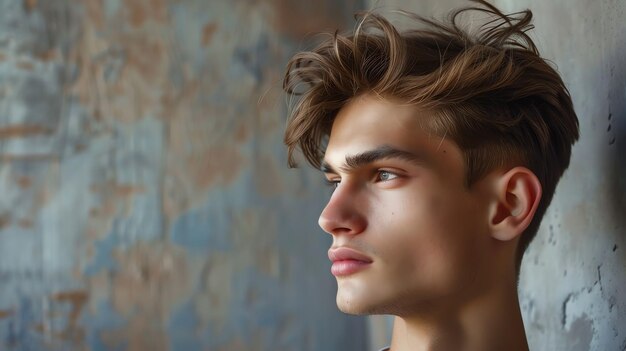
574	274
145	201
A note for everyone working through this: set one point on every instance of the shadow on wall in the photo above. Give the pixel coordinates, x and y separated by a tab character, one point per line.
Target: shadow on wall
616	178
616	139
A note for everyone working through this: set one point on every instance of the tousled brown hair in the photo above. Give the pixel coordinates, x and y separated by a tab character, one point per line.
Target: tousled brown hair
490	92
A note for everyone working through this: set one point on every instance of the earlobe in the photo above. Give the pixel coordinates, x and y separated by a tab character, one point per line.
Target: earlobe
517	196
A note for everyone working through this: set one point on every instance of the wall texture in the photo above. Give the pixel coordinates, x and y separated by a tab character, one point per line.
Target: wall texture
573	276
145	201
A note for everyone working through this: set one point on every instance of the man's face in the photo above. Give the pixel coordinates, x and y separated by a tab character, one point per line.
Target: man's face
400	200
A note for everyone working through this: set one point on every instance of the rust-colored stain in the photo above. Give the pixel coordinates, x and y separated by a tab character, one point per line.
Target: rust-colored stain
207	33
140	334
78	148
243	133
299	19
26	223
127	190
22	130
3	57
5	220
151	279
218	164
30	5
140	11
107	210
6	313
48	55
25	65
94	13
77	299
24	181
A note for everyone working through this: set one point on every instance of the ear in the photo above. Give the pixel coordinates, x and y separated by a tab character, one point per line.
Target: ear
517	195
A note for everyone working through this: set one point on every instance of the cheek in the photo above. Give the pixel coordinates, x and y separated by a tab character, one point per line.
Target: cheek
428	232
409	230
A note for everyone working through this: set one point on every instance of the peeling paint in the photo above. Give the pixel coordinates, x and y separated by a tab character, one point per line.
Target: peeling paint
22	130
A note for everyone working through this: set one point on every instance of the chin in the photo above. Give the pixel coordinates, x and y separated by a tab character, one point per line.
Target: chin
368	302
349	301
350	308
357	304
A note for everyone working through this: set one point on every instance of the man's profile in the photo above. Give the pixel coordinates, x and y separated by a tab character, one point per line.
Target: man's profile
444	148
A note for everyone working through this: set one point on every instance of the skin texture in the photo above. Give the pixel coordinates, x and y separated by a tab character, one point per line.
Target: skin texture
442	253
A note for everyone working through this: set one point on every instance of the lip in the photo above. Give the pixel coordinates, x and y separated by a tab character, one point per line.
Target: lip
345	253
347	261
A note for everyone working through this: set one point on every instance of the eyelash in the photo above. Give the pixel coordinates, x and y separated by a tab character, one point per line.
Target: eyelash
332	183
394	175
335	183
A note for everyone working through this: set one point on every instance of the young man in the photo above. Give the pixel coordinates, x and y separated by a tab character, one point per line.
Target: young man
444	149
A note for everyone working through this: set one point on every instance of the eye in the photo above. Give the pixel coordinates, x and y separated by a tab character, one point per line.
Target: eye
384	176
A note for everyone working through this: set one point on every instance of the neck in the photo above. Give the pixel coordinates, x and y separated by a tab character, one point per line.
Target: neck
492	321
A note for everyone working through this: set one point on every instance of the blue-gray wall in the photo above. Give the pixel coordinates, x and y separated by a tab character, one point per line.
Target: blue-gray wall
145	202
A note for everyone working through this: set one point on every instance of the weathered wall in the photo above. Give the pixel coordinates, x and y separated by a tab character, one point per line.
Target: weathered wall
145	201
573	277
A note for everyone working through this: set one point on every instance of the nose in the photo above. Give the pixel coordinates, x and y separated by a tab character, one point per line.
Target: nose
342	214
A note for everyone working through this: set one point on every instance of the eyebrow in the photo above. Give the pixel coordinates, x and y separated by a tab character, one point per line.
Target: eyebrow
382	152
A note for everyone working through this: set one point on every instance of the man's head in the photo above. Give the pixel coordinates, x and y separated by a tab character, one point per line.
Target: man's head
445	146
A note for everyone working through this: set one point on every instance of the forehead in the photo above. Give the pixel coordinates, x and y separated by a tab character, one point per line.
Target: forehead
367	122
368	117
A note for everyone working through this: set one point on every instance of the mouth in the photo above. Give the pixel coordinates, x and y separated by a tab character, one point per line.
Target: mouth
347	261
